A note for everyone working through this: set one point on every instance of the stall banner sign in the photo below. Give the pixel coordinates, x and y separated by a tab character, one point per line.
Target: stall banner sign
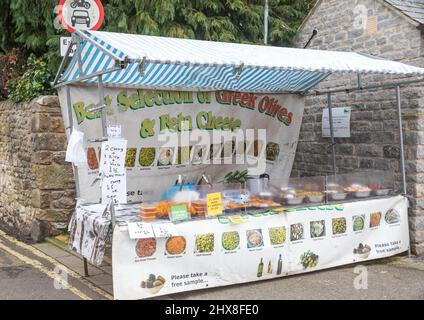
213	252
265	125
81	14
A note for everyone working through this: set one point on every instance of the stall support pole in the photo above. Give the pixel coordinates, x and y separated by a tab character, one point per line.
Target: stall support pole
102	105
104	131
79	59
333	144
402	150
75	169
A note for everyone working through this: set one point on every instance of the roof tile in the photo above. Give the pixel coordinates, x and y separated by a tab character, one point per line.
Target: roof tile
414	9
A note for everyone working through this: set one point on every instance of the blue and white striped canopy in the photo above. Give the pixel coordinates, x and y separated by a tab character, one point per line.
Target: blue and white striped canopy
170	63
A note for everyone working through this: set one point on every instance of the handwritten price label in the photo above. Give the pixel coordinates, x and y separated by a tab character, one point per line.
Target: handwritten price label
164	230
139	230
237	219
214	204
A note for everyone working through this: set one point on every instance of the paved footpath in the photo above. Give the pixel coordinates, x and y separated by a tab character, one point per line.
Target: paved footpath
37	271
28	273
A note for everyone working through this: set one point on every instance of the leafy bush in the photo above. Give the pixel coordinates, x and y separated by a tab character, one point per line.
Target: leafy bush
34	81
10	64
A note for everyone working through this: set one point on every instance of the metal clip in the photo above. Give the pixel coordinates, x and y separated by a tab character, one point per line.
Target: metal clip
97	108
142	66
122	64
239	70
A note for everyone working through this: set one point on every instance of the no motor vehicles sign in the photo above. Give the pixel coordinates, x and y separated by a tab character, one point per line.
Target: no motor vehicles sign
81	14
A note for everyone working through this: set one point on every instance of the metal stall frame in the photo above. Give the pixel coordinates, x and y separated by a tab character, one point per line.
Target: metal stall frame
76	40
122	63
396	86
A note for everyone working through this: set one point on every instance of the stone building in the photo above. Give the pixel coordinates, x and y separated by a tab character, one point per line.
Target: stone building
390	29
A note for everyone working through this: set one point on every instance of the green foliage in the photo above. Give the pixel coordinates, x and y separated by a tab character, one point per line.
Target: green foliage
35	81
29	24
217	20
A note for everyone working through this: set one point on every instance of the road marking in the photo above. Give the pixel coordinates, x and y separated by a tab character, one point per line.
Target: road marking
37	264
53	261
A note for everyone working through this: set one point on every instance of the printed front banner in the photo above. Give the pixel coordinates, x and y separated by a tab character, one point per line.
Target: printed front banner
215	252
153	167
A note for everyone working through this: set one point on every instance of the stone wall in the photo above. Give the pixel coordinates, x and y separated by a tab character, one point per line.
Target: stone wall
374	142
37	191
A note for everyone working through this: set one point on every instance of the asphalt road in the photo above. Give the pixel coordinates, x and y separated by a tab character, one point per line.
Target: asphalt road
27	274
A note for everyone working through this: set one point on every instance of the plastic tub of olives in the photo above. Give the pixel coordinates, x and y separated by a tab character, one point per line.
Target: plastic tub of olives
362	193
316	198
381	192
337	195
293	200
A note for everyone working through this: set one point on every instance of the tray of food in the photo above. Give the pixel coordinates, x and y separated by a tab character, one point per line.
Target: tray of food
311	196
293	197
337	195
294	200
360	191
379	190
260	203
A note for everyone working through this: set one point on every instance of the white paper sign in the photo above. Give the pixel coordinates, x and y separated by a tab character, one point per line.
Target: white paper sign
114	131
114	183
65	42
164	230
341	122
75	151
140	230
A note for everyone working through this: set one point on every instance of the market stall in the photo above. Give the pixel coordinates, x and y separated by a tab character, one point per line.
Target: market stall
185	147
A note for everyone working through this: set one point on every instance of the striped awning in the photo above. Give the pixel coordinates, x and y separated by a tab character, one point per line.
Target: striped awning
170	63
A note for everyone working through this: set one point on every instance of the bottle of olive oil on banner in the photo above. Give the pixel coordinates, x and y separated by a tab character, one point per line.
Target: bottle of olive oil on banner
269	267
280	266
260	268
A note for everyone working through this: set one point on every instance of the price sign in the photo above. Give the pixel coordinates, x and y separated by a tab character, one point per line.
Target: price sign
237	219
114	131
140	230
214	204
179	213
112	167
164	230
